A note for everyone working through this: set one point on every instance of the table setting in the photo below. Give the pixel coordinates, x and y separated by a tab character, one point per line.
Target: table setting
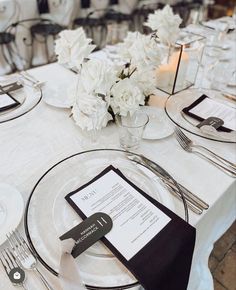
89	135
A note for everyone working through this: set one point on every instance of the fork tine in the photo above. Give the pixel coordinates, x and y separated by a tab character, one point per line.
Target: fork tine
10	242
16	246
184	137
181	141
10	261
10	253
22	241
3	264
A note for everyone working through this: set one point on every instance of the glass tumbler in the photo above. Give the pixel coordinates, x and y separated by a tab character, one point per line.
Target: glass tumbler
131	129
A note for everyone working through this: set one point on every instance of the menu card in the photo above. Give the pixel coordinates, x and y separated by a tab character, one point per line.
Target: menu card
149	239
7	102
205	107
135	219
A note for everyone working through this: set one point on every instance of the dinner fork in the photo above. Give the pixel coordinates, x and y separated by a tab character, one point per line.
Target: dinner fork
24	255
188	146
15	274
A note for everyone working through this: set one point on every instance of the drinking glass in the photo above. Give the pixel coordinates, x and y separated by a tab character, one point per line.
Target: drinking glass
131	129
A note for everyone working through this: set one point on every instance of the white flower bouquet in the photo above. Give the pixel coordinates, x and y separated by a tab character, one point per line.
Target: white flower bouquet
105	89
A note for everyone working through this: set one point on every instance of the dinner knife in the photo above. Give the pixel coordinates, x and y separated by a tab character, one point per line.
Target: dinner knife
155	178
185	191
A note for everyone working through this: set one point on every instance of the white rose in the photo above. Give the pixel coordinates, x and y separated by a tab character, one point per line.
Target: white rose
98	77
90	112
166	24
123	48
126	97
146	80
141	50
72	47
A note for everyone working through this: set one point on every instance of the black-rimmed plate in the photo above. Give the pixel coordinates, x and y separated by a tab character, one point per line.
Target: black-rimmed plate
176	103
48	215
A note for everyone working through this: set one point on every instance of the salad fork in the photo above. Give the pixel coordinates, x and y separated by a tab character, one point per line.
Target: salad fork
14	272
187	144
24	255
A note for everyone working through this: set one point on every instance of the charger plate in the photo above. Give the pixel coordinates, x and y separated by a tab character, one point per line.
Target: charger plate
48	215
175	104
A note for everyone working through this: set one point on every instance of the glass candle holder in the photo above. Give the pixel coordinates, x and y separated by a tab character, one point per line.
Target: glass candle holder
181	61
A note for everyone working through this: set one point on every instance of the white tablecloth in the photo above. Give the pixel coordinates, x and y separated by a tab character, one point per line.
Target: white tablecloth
31	144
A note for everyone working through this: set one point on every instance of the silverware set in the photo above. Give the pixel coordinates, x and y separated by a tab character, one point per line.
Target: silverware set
216	160
19	257
13	270
196	204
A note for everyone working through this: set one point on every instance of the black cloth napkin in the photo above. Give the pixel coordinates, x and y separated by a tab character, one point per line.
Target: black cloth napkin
165	262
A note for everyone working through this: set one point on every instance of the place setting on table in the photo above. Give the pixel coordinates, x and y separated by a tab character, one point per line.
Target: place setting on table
19	94
105	218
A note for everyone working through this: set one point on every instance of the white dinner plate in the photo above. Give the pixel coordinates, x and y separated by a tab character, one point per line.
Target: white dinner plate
59	96
11	210
49	215
159	126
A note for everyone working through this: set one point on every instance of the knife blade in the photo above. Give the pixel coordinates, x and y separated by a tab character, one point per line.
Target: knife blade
169	186
158	180
187	193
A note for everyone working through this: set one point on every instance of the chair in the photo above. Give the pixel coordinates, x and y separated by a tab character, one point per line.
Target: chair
41	32
6	41
8	14
141	13
55	15
91	18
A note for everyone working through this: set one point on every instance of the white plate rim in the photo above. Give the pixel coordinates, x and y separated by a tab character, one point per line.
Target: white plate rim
27	233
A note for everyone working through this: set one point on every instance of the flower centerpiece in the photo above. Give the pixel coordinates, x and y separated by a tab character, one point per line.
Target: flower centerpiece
104	89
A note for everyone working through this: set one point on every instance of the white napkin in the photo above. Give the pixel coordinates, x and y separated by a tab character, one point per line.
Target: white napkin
69	275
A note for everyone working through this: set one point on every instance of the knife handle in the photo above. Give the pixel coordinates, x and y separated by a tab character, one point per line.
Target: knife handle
190	205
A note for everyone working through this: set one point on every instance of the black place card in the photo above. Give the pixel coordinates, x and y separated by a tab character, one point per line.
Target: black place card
10	88
204	108
150	240
7	102
88	232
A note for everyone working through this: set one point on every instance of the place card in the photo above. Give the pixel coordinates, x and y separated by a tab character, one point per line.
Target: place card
7	102
88	232
152	242
205	107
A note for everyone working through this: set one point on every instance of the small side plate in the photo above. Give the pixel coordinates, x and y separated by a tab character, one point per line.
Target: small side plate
159	126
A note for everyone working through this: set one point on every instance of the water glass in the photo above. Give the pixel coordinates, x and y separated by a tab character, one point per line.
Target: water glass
131	129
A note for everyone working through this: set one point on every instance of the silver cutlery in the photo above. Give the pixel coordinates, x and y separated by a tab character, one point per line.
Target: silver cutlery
14	272
194	202
187	144
35	83
24	256
169	186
